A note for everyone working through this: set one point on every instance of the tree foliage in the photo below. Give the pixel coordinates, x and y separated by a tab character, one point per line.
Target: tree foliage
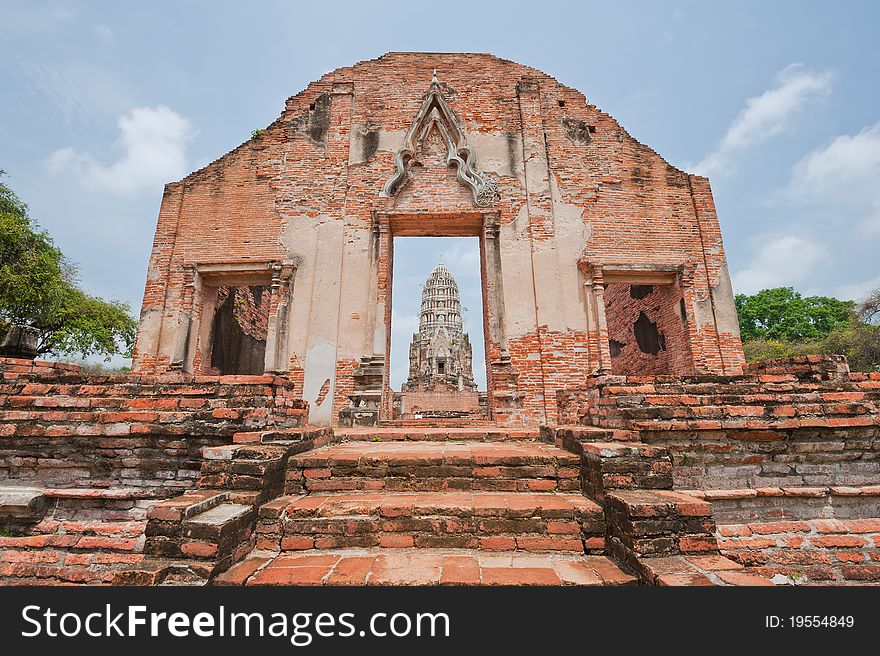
783	314
39	288
779	323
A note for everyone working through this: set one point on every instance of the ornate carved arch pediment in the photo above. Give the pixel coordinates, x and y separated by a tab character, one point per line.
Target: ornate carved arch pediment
436	113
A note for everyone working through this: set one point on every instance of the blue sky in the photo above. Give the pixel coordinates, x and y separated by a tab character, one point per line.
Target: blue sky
104	102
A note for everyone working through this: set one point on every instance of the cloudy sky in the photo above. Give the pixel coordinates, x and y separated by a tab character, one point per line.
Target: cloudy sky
778	102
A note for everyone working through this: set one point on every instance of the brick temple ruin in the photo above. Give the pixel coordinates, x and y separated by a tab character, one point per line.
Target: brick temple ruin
622	439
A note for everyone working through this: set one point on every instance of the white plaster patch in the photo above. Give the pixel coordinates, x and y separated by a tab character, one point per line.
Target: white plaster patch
148	332
300	230
725	308
379	334
572	234
496	154
516	268
320	365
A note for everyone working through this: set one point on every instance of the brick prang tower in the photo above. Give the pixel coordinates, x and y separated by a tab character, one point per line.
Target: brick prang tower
440	356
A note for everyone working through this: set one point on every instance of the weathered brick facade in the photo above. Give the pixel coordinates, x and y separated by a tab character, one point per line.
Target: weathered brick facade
564	201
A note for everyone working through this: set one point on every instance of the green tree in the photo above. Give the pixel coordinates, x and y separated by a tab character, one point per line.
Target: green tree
779	323
783	314
39	289
859	342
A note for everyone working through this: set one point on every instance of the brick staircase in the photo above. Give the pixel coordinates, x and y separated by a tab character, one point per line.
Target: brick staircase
264	501
490	509
405	505
786	455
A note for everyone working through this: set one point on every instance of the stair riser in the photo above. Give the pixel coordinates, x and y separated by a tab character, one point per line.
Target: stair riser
496	529
177	547
435	485
510	475
436	526
444	471
200	540
535	543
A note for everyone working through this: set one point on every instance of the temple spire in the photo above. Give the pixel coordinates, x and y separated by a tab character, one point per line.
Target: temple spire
440	353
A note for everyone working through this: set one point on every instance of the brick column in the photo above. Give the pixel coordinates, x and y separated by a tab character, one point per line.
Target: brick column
597	324
182	356
148	355
383	308
279	307
548	295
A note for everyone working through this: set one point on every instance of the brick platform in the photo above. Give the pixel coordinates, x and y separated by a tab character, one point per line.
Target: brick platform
424	567
563	505
786	456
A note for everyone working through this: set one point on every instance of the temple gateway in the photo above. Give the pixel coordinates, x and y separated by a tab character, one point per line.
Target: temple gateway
621	439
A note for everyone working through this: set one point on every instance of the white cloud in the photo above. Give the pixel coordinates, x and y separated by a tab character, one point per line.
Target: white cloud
857	291
153	141
782	262
766	115
842	179
462	259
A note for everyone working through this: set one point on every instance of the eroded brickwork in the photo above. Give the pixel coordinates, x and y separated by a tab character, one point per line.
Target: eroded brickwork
647	329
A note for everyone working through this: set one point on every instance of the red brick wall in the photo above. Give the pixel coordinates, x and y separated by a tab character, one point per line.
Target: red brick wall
61	427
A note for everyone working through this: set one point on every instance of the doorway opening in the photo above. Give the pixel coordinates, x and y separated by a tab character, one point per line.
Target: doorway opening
238	330
438	348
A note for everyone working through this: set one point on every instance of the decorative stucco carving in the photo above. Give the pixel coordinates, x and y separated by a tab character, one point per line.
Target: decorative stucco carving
578	132
436	113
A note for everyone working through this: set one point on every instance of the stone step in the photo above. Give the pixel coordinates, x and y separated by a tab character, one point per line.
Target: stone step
250	467
73	503
469	432
217	532
560	434
21	506
609	462
469	520
308	437
423	567
429	466
207	525
706	570
644	524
